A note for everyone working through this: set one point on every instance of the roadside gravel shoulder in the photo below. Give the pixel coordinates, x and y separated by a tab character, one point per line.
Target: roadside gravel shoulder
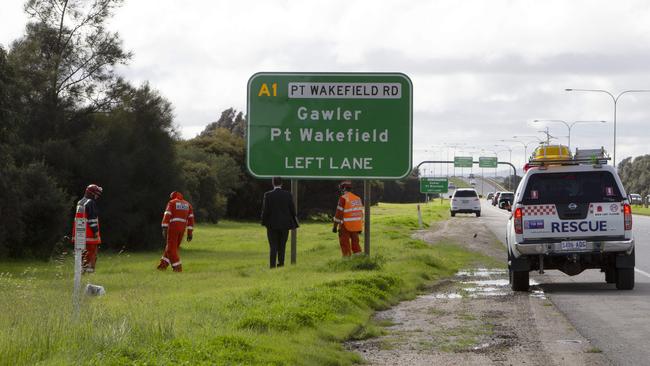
475	319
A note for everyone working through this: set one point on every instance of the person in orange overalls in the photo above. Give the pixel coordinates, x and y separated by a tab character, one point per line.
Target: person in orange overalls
178	216
87	209
348	220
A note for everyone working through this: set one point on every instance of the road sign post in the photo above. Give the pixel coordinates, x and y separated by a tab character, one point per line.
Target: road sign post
294	232
330	126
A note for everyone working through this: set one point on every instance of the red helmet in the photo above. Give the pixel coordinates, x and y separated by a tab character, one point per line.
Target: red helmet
94	191
345	184
176	195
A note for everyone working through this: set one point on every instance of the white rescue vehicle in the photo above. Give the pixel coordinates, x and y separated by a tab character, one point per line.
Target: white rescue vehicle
570	214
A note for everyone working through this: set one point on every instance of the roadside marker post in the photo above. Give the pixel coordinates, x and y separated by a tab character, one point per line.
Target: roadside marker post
330	126
79	247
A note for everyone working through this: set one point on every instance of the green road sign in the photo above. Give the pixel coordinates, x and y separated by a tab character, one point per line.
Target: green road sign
487	162
327	125
463	161
433	185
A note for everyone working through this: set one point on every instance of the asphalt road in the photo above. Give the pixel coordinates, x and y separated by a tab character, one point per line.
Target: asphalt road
616	322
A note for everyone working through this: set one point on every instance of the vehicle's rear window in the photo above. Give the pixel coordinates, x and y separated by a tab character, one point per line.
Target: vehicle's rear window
465	193
576	187
509	196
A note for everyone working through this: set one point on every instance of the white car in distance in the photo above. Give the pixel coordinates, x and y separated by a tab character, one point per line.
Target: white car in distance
465	200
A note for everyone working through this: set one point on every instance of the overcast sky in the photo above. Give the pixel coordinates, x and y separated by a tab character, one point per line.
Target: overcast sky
482	70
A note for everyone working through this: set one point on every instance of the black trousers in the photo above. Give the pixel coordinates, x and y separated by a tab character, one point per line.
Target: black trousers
277	246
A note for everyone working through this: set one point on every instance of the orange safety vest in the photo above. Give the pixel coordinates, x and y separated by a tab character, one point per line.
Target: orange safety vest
352	212
178	215
81	213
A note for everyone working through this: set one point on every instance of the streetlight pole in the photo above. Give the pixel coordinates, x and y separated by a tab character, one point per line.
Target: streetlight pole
615	100
507	148
454	146
523	143
568	126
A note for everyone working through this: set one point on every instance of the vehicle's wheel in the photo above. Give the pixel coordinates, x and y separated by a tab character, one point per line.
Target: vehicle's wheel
610	274
519	280
478	214
452	213
625	278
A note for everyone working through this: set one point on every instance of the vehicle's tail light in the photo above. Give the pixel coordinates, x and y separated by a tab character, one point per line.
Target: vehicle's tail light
627	216
519	218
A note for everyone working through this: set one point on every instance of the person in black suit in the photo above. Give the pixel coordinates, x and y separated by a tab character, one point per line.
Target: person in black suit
279	216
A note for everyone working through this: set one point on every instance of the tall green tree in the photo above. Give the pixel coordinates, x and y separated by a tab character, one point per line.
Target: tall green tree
635	174
130	153
78	54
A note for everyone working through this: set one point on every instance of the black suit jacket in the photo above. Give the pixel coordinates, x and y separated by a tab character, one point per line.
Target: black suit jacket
278	212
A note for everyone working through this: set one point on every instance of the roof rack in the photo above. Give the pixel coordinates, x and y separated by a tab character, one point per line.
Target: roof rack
591	154
559	156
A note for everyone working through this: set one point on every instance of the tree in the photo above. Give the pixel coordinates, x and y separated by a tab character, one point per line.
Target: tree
209	178
77	54
130	153
230	120
635	174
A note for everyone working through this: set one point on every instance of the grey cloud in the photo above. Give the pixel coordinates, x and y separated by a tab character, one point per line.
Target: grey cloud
566	63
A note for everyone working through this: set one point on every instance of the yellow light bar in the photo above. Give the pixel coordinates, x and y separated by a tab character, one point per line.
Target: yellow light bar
551	153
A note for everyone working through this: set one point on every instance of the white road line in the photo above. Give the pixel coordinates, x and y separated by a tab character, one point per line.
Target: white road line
642	272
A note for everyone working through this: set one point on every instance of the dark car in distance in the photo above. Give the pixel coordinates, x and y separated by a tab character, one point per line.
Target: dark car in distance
505	197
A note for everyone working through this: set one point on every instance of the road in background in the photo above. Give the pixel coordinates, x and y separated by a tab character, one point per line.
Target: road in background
616	322
486	185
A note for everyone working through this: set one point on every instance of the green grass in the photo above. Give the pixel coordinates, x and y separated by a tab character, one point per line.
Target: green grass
460	183
227	307
594	350
640	210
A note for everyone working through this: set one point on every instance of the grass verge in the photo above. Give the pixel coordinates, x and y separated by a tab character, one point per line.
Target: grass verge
640	210
227	307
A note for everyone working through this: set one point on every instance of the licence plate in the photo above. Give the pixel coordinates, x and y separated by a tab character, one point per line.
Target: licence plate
573	245
464	201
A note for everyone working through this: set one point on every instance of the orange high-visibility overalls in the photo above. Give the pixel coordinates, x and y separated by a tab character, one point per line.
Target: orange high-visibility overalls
178	216
349	216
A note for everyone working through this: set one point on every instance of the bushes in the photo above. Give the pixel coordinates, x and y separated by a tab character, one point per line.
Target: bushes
33	216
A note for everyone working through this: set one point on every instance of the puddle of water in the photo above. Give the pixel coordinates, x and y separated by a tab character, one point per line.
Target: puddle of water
480	272
539	294
500	282
568	341
485	282
485	291
481	347
442	296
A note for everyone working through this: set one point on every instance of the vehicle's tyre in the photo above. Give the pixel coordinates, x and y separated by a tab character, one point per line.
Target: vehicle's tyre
610	274
519	281
478	214
452	213
625	278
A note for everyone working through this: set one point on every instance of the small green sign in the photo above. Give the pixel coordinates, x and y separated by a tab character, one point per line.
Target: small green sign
330	125
463	161
433	185
487	162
